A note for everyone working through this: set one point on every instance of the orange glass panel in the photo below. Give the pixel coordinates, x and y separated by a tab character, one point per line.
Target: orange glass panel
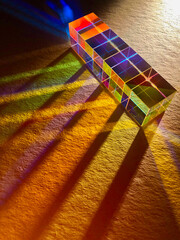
80	23
101	26
92	17
117	79
88	34
73	34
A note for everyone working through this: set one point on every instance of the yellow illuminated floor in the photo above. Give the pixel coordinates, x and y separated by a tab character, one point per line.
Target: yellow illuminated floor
73	164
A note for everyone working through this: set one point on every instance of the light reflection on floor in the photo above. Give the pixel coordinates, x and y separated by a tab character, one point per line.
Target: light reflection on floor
66	145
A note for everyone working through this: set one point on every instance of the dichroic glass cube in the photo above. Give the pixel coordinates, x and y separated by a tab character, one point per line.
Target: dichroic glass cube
133	82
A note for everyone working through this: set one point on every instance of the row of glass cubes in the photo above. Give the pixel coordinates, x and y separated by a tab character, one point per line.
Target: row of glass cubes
140	89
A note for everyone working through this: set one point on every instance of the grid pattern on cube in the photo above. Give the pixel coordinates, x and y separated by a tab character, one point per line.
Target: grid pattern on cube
141	90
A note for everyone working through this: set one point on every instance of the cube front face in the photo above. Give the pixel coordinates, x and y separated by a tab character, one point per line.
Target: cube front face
141	90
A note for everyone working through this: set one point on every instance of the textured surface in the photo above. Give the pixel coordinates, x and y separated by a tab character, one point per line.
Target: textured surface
73	165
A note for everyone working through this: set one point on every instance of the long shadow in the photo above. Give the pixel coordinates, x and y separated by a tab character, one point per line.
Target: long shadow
56	95
7	88
119	186
49	147
27	123
33	79
79	170
53	63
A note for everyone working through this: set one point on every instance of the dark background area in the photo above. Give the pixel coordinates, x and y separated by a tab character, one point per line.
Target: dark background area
28	37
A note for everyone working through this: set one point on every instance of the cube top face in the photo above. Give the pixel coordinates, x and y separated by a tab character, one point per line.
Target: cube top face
84	22
164	87
119	43
80	24
92	17
115	59
128	52
88	26
148	94
88	32
97	40
133	82
106	50
139	62
125	70
109	34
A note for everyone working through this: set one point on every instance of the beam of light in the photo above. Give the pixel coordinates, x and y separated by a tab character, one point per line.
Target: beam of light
40	143
33	16
170	136
37	142
66	68
172	141
24	132
49	113
32	73
167	170
63	165
32	104
45	90
87	185
170	12
174	6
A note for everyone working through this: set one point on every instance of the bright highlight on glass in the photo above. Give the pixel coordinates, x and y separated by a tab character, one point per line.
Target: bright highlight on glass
140	89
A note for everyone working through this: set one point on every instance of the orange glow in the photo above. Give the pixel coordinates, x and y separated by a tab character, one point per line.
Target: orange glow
166	167
90	33
80	23
102	27
73	164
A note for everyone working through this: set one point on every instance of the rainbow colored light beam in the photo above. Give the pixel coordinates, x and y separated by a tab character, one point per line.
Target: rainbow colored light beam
142	91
